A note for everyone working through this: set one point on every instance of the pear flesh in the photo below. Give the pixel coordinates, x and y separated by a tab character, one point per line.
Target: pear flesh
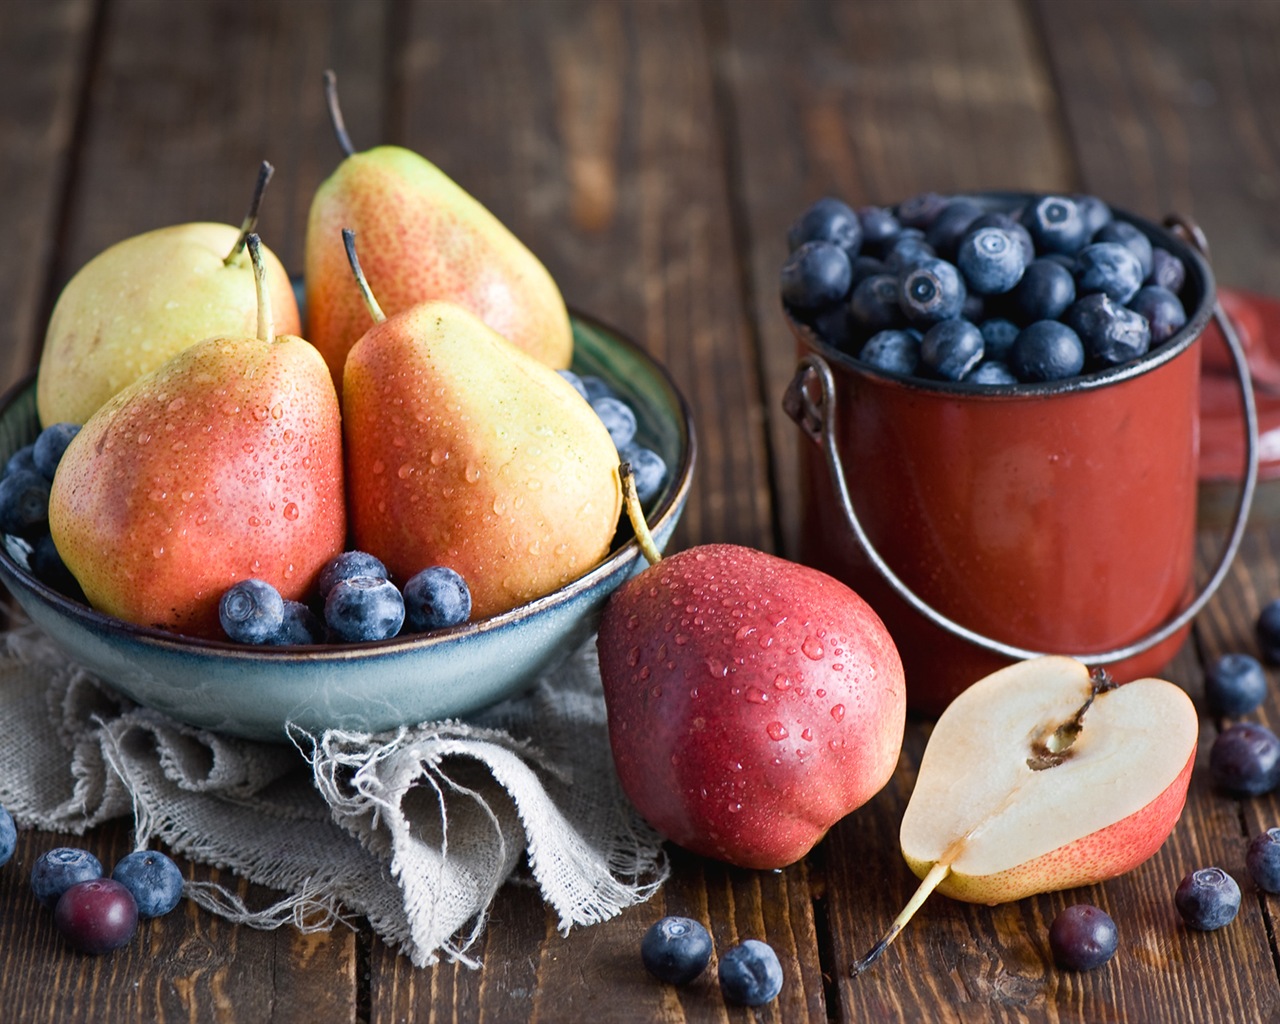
464	451
143	300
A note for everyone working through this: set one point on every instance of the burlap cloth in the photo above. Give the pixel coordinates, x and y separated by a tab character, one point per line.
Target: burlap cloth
414	830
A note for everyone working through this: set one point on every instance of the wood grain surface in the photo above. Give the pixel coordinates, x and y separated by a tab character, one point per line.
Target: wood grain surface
652	153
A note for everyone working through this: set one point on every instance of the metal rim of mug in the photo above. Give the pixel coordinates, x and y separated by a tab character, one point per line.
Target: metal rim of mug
817	419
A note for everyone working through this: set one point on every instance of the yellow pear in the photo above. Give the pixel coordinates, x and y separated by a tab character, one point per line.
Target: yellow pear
423	238
143	300
464	451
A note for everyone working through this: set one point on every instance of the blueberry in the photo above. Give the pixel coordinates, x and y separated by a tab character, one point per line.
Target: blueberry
575	381
596	387
1161	309
1046	350
1167	270
750	974
951	349
992	260
675	950
1132	239
49	445
832	325
998	335
897	351
827	220
920	210
1235	684
930	292
8	836
867	266
1056	224
1267	630
815	275
154	881
24	503
1000	219
879	225
23	458
436	598
974	308
300	626
992	373
57	870
1111	334
96	916
1095	212
618	418
648	470
251	612
1044	292
1110	268
345	565
1083	937
48	567
1245	759
362	609
874	305
906	250
1207	899
952	224
1262	858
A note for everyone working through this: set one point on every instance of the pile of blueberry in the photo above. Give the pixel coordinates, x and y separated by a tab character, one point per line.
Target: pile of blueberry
675	950
963	289
24	504
96	914
648	468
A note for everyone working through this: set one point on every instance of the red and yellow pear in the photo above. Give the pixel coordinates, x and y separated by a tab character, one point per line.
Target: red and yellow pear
223	463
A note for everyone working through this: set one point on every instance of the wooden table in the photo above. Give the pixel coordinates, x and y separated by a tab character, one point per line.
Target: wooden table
652	152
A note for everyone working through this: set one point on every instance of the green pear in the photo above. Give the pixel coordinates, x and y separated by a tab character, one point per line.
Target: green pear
143	300
223	463
424	238
464	451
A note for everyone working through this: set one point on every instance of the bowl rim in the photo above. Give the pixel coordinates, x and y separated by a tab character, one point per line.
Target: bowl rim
663	517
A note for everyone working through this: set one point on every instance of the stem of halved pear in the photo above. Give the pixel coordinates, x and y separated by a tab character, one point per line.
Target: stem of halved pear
362	282
335	113
250	222
648	546
930	882
266	325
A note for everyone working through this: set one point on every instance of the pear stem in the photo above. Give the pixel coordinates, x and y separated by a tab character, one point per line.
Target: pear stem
250	222
266	326
335	113
931	881
648	546
362	282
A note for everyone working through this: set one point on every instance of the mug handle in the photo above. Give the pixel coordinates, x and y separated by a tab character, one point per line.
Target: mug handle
815	414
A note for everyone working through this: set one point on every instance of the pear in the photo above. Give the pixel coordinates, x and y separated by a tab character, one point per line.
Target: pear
223	463
143	300
466	452
423	237
1043	776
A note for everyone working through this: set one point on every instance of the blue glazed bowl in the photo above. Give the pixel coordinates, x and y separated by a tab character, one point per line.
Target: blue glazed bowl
259	692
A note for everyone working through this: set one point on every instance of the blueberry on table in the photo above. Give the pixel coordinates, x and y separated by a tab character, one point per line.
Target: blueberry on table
815	275
992	373
1161	309
1112	334
897	351
1132	239
57	870
1083	937
96	916
931	291
750	974
998	336
251	612
1056	224
675	950
436	598
952	224
873	307
1044	292
300	626
648	470
1262	858
346	564
1207	899
827	220
991	260
1245	759
8	836
1046	350
1235	684
920	210
364	608
24	503
1110	268
154	881
52	441
1167	271
879	225
951	349
618	418
1267	630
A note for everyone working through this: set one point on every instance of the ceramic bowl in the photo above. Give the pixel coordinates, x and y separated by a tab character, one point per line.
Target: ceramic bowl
260	693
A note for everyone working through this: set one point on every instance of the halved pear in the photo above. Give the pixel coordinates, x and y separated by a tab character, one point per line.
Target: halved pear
1044	776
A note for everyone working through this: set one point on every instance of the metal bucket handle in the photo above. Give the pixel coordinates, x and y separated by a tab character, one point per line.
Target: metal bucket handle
816	417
